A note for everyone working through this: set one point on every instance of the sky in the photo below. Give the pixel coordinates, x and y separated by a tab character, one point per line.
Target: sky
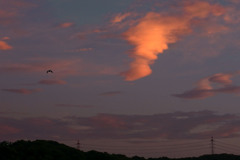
129	76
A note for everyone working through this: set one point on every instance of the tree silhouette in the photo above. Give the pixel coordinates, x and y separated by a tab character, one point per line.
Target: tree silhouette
51	150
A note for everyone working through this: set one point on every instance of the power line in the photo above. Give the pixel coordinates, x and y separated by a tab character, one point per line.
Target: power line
159	146
165	148
224	143
149	147
226	150
227	147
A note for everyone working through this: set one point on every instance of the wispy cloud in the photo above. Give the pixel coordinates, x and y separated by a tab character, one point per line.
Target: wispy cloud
74	105
51	81
66	25
22	90
38	65
120	17
17	4
79	50
5	38
204	87
61	67
177	125
7	129
83	35
111	93
39	127
11	10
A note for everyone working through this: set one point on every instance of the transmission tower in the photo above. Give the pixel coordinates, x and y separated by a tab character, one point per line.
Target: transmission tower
78	145
212	145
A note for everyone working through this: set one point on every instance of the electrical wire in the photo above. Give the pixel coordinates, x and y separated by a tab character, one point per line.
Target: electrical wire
165	148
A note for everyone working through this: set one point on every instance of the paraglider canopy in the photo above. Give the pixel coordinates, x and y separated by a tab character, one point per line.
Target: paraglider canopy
49	71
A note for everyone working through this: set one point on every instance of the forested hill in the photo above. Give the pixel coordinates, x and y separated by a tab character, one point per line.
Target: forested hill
51	150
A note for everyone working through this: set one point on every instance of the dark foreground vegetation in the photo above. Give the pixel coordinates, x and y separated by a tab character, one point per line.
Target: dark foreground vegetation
51	150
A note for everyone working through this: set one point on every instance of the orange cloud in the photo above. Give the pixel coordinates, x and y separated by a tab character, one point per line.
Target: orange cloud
66	25
204	87
221	78
151	37
4	46
201	9
5	38
155	31
120	17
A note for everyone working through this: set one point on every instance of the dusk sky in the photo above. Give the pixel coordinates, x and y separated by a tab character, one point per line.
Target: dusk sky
126	73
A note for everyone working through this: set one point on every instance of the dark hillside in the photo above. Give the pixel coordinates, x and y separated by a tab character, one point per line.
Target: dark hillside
38	150
51	150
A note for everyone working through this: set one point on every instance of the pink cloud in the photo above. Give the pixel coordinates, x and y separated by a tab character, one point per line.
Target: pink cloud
234	130
232	14
83	35
22	91
111	93
155	31
212	29
7	14
74	105
17	3
177	126
10	11
201	9
51	81
228	89
204	87
4	46
41	121
60	67
195	94
106	121
7	130
66	25
5	38
80	50
132	131
235	1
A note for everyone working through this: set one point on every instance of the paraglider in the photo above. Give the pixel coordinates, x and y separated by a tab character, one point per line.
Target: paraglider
49	71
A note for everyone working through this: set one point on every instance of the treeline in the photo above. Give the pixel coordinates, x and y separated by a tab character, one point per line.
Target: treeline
51	150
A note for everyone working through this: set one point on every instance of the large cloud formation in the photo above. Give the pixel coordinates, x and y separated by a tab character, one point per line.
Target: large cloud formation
155	31
177	125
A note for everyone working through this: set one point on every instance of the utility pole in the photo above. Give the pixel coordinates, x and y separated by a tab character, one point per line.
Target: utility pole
212	145
78	145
